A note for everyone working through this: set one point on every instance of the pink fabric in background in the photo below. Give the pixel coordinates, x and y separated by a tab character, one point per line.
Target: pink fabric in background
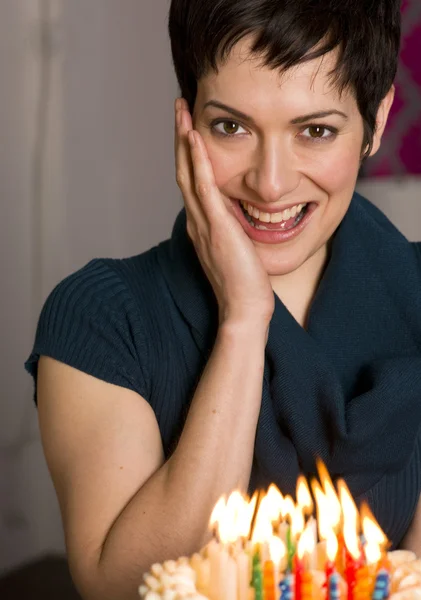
400	153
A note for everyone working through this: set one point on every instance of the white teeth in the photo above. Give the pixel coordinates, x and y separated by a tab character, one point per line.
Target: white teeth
264	217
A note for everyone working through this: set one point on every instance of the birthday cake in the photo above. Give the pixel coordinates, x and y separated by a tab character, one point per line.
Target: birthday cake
272	548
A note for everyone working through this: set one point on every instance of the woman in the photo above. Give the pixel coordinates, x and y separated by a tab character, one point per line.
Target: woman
282	320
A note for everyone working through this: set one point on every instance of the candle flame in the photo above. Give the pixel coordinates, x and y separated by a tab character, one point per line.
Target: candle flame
331	546
328	518
303	495
217	512
276	497
333	503
262	531
351	520
246	518
272	504
288	508
376	540
306	543
297	522
232	519
277	550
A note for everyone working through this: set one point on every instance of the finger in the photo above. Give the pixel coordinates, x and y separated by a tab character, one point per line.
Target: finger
204	179
183	163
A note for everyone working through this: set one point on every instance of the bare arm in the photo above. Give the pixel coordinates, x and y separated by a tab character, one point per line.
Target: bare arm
412	540
123	508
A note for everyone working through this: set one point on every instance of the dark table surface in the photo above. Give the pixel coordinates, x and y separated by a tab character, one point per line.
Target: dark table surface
45	579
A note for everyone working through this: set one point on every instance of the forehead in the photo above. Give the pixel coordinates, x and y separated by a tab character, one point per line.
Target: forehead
243	78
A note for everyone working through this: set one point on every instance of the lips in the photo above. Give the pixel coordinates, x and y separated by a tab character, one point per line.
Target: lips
269	235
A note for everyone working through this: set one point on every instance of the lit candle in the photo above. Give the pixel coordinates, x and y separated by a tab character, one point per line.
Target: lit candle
353	557
230	580
340	556
243	575
290	549
333	588
331	551
298	574
285	587
363	584
277	552
351	568
257	576
306	586
201	567
312	526
269	580
382	585
214	555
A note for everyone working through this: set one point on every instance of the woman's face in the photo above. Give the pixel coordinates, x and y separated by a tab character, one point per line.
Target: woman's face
277	155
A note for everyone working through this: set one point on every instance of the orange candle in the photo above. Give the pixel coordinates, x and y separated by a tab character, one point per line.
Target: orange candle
364	583
306	586
269	580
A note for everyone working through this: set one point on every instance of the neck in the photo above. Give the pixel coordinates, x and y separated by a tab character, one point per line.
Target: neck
297	289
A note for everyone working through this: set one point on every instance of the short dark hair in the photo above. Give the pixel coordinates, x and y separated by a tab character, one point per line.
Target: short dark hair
289	32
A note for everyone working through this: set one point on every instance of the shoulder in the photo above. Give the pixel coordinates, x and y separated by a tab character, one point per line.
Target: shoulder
375	219
107	286
417	249
95	320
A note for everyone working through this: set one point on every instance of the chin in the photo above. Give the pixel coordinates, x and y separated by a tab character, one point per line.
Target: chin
278	262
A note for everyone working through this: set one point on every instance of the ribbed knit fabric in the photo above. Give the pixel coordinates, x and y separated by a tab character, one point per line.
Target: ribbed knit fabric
347	389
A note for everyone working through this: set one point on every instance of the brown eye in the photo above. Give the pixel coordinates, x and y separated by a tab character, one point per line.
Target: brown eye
319	133
230	128
316	131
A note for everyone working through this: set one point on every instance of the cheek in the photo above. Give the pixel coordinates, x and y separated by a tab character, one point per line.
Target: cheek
338	170
225	163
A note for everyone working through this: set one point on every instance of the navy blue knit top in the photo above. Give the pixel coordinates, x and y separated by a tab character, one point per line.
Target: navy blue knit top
347	389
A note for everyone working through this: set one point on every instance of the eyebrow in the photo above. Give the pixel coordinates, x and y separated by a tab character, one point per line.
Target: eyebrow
296	121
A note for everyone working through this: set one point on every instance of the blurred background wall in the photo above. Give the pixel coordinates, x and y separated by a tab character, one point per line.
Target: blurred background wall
86	169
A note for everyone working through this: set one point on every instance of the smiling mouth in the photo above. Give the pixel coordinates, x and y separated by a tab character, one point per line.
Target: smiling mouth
279	222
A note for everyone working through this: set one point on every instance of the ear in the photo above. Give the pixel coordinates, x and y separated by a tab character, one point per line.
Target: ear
381	120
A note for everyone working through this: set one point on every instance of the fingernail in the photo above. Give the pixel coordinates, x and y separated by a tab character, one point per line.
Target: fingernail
179	118
192	138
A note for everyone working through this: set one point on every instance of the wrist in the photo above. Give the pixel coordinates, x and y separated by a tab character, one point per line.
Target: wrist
245	329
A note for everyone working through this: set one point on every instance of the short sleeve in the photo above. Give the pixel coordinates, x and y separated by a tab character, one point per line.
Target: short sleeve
91	322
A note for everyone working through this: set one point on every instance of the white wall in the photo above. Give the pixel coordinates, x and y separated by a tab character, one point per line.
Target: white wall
86	169
399	199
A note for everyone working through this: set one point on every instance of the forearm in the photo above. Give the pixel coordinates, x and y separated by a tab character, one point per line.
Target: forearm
169	515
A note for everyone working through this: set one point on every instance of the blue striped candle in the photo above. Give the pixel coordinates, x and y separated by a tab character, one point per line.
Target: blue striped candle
334	592
286	587
381	588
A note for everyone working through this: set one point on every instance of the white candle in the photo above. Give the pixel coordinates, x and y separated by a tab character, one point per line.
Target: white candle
230	583
201	567
214	556
282	531
243	573
312	525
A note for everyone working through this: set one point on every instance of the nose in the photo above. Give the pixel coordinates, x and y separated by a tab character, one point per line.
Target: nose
272	173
